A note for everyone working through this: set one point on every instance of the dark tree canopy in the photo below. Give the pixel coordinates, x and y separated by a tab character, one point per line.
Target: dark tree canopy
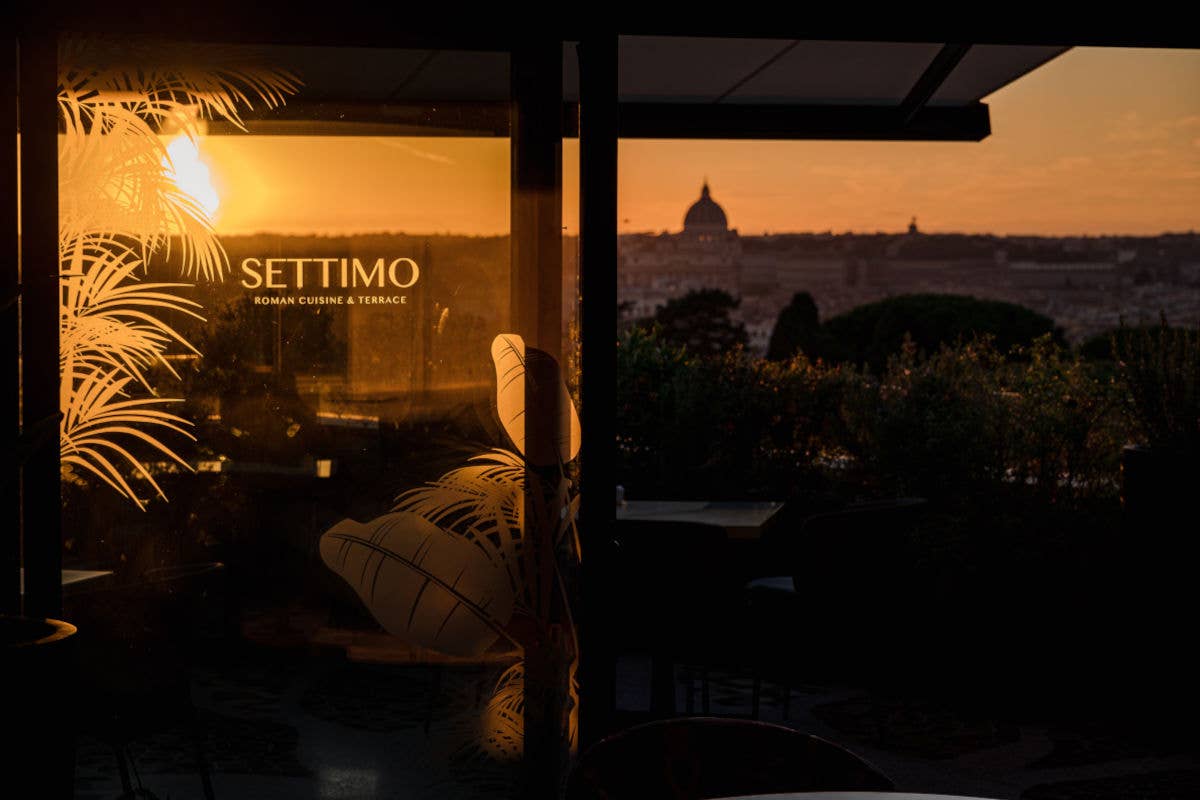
797	329
869	334
700	321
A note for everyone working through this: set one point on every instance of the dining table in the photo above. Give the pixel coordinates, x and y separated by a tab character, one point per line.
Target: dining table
741	519
72	577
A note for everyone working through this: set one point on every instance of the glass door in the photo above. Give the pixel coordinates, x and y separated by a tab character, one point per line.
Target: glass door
319	432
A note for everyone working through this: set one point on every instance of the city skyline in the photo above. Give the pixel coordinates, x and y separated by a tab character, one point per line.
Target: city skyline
1096	142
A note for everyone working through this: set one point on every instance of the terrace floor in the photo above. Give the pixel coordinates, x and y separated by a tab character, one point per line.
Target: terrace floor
287	723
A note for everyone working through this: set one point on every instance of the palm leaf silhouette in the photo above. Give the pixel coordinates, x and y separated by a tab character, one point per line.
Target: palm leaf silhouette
421	583
119	206
502	733
483	503
107	313
98	425
529	385
502	726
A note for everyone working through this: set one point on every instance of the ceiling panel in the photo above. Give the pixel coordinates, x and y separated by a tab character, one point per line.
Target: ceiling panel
671	68
849	73
988	67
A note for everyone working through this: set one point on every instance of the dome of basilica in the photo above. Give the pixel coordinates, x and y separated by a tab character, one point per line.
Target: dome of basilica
705	216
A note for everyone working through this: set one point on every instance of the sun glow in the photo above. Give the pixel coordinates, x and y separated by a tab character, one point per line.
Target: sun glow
191	174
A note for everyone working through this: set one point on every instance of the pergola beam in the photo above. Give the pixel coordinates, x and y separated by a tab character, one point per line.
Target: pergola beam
932	79
969	123
692	120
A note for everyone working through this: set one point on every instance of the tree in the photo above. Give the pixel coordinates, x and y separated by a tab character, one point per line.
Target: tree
700	321
870	333
796	330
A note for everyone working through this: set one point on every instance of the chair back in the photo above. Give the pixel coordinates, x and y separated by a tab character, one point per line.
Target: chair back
704	757
857	544
666	579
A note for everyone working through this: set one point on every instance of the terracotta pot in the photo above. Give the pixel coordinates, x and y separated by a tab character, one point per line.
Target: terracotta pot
37	680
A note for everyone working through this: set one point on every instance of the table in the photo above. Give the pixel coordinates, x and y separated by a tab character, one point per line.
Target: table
852	796
73	576
740	519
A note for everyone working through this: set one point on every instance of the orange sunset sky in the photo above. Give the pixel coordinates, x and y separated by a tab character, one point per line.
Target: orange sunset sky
1098	141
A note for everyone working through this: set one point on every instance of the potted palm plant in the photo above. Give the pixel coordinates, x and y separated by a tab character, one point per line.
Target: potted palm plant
482	557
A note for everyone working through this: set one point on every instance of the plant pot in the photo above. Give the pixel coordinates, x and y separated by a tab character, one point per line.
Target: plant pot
37	676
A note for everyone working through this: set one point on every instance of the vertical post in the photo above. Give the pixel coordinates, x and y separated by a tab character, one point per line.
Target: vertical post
536	299
598	274
537	194
427	321
42	493
10	337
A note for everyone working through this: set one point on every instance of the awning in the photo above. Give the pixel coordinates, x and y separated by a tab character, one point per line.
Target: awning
669	87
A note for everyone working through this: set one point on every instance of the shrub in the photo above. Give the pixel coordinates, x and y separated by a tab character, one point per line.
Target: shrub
1160	376
931	426
1105	346
968	425
730	426
1066	425
969	422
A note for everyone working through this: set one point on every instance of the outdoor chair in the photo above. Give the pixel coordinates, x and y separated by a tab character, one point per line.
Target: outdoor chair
703	757
672	596
841	606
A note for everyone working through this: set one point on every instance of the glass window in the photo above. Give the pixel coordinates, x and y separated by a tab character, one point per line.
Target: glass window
295	464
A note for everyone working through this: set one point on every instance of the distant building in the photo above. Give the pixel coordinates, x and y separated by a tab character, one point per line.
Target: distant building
706	254
1064	275
1085	283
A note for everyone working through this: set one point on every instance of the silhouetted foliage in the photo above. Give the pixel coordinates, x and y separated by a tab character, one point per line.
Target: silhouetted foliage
972	422
1100	346
700	321
1160	373
967	422
872	333
261	414
725	427
797	330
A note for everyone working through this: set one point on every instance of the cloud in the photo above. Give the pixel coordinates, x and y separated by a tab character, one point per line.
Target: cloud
1151	133
1066	163
437	158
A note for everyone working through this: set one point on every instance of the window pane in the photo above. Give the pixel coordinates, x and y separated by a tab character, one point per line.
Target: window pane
292	496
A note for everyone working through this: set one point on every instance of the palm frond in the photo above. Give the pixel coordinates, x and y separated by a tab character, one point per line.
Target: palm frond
115	171
483	502
119	206
98	418
503	720
127	189
107	313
